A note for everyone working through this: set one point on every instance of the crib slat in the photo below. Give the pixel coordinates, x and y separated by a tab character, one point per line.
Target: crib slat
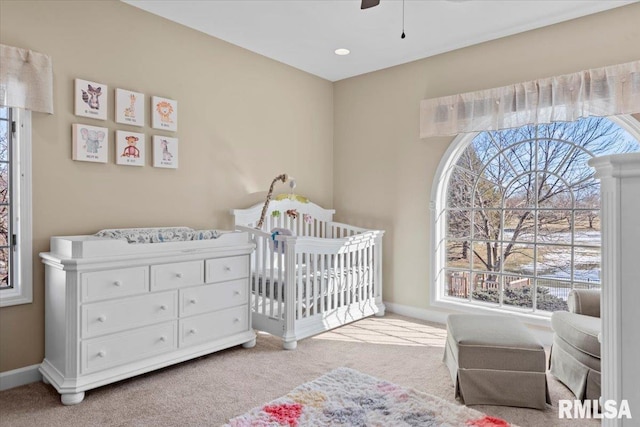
299	287
272	263
354	276
308	286
254	275
323	287
359	284
368	293
262	276
337	280
258	278
342	278
314	284
281	286
349	278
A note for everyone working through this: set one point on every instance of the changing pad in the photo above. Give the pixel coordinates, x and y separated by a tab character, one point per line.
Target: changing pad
158	235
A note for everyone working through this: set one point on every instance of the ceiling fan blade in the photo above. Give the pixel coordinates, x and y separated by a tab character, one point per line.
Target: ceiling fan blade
366	4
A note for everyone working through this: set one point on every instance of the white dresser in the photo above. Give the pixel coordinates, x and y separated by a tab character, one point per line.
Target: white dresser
114	309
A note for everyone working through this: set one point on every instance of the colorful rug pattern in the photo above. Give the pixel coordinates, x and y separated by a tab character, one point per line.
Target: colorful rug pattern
345	397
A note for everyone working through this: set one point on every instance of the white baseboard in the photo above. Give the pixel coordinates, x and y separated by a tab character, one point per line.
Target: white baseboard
20	376
417	313
544	334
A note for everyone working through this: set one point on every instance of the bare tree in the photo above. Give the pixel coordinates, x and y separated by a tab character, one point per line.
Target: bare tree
507	183
4	205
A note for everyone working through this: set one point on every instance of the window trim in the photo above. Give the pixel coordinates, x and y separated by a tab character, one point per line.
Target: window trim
22	291
437	299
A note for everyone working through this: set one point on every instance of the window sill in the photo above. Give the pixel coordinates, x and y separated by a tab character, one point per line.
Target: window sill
9	297
540	319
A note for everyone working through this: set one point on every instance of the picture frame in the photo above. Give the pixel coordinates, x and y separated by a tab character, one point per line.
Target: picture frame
129	107
90	99
130	148
165	152
89	143
164	113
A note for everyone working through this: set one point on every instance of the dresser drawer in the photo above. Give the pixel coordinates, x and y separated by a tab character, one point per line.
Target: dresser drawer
125	347
99	285
230	268
113	316
176	275
213	297
212	326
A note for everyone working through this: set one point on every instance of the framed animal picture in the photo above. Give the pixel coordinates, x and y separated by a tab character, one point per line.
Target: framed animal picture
129	107
130	148
90	99
165	152
164	113
89	143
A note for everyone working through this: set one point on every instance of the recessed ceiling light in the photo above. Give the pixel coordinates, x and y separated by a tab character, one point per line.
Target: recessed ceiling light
342	52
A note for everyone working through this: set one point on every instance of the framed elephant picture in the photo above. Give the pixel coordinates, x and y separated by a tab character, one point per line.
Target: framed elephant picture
89	143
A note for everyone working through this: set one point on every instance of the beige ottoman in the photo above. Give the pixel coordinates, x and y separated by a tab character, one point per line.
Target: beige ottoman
495	360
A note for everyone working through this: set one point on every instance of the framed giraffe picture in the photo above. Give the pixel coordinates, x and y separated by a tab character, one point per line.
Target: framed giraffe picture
165	152
90	99
129	107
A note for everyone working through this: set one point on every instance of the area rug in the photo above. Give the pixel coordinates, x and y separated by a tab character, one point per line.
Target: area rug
346	397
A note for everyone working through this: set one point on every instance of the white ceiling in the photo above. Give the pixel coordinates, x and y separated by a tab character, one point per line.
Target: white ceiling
305	33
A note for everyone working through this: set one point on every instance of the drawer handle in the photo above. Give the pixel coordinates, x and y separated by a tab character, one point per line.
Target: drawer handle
179	275
163	307
193	331
236	292
102	319
101	353
193	300
117	283
226	268
236	320
163	339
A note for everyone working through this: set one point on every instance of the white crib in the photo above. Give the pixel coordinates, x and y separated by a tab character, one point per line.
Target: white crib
325	275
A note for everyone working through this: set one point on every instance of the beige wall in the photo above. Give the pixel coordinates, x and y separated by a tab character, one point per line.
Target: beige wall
383	171
243	119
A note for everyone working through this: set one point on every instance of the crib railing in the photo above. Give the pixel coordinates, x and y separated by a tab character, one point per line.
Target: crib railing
322	275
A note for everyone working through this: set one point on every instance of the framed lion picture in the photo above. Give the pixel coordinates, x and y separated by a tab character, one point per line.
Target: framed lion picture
164	113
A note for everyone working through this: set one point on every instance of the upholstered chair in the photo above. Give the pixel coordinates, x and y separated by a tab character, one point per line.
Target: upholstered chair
575	353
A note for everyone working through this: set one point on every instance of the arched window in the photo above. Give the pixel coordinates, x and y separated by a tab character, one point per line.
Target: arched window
517	213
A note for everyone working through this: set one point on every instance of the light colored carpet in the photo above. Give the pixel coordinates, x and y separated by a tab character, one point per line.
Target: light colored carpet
213	389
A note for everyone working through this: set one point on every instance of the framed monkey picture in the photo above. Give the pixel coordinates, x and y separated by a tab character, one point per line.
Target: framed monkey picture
130	148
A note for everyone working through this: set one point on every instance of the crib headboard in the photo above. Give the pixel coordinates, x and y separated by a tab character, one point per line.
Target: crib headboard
311	225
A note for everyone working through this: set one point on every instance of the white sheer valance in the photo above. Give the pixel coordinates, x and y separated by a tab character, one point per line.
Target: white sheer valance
26	79
603	91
